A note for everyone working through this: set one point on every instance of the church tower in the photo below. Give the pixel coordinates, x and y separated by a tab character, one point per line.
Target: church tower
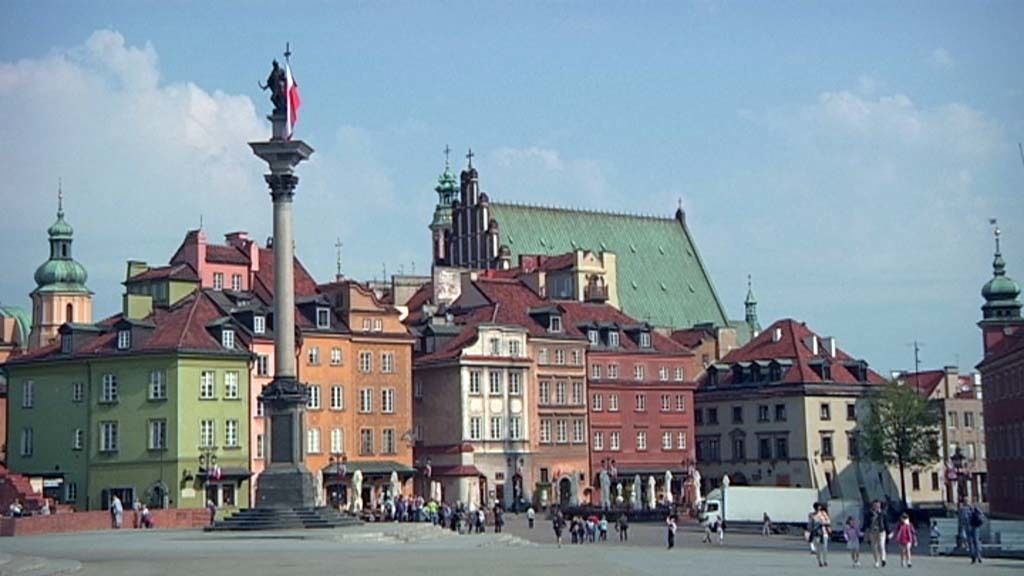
1001	310
60	295
750	305
441	225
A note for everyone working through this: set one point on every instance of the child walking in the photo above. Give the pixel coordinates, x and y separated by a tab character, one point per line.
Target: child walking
853	535
906	537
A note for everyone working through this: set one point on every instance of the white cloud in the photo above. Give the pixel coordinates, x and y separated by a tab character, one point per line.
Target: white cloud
940	58
537	174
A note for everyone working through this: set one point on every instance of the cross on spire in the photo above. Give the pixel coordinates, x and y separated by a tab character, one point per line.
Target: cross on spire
447	152
995	231
337	246
60	196
287	51
469	156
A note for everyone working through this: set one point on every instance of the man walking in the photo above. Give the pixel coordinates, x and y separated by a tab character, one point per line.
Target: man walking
671	526
622	524
116	511
877	525
975	520
531	515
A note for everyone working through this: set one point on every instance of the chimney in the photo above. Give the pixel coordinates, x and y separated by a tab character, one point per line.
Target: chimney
830	345
812	343
237	239
777	335
136	267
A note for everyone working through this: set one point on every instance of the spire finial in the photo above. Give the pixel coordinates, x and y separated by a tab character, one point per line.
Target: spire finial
287	51
60	197
680	203
469	156
994	222
447	152
200	220
337	272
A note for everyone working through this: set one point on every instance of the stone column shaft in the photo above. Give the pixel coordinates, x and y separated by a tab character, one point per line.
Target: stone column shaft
282	189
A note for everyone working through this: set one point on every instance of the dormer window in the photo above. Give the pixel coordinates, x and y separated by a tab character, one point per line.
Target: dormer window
555	324
645	339
593	336
259	324
227	339
66	343
613	339
323	318
124	339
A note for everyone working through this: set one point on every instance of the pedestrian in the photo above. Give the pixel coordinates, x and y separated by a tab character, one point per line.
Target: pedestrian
933	538
622	525
671	531
531	515
906	537
602	528
976	519
499	520
136	514
212	509
116	511
766	525
853	534
878	530
558	524
145	517
481	521
821	530
807	531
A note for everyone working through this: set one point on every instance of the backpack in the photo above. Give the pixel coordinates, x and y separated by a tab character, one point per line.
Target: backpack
977	518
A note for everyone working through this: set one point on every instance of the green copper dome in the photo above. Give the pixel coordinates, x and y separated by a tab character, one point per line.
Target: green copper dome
61	273
1001	287
61	228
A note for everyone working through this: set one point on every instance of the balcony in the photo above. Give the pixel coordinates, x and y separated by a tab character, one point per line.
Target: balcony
595	293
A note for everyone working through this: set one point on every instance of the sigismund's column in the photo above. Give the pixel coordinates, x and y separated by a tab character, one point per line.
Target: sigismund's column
285	483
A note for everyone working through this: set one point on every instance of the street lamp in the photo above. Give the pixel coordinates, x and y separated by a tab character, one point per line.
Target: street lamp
960	469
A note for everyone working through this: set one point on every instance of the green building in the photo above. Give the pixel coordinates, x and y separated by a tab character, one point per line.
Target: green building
151	404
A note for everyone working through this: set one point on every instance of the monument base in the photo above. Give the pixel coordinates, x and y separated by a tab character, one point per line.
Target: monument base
285	487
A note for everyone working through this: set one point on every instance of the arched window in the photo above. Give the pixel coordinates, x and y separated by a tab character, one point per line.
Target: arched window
63	250
69	313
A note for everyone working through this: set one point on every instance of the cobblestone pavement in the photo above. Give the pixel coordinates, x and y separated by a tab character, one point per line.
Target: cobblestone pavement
388	549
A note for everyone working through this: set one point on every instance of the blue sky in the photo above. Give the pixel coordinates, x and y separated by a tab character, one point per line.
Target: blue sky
846	155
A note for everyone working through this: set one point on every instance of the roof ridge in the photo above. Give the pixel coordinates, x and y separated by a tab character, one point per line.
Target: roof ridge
188	321
593	211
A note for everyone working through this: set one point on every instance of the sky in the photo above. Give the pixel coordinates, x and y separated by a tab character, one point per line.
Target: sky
848	156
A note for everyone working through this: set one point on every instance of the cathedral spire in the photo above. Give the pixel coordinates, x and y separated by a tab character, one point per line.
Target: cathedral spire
1001	292
750	305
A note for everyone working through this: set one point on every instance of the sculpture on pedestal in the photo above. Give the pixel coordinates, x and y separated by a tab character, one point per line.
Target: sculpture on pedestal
357	488
668	487
634	495
618	494
606	484
276	84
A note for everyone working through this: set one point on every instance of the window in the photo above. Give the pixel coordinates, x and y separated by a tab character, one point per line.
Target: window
367	324
494	376
555	324
853	446
262	365
645	339
764	448
337	398
77	392
231	433
259	407
378	325
614	441
562	430
543	392
157	386
826	411
313	355
231	385
641	440
313	441
28	394
417	389
666	440
595	371
514	348
593	337
545	475
387	362
545	431
851	412
71	492
596	403
712	415
951	420
598	441
157	434
739	448
578	431
66	343
780	412
387	400
613	339
577	357
640	401
971	451
495	428
323	318
679	374
826	446
560	393
366	442
108	437
663	373
27	441
515	382
781	448
337	441
559	356
515	428
206	385
681	440
108	394
968	419
495	344
260	446
313	402
638	371
737	414
206	433
935	481
78	439
124	339
474	381
474	428
613	402
365	400
698	416
218	280
259	324
387	441
915	481
666	403
613	371
236	282
365	362
227	339
336	356
542	356
762	413
577	392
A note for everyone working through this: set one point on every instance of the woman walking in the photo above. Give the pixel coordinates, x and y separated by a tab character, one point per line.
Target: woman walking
821	529
671	525
558	524
906	537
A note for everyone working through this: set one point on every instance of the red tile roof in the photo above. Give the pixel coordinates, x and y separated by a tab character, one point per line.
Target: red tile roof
692	337
1007	346
924	382
264	284
182	271
226	254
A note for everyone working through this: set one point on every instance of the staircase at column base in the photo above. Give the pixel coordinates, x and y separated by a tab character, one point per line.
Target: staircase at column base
253	519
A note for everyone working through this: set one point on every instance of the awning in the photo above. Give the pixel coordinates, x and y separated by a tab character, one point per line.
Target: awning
459	470
629	472
370	468
226	473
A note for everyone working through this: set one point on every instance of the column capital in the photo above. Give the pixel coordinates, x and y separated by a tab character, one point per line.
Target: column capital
282	186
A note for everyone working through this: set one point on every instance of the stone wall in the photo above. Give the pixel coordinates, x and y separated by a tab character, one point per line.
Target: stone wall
98	520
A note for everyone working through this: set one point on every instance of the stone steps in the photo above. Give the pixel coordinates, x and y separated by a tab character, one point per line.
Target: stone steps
253	519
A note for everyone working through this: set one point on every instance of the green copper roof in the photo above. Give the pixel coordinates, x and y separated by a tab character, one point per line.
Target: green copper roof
23	319
1001	287
60	228
61	276
661	278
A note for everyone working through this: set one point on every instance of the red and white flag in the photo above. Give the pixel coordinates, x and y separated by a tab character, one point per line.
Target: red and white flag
291	92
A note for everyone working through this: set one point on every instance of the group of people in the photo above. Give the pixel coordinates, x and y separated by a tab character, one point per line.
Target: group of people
465	520
587	530
142	517
17	510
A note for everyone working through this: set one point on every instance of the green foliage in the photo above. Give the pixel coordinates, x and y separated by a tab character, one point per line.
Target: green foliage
902	428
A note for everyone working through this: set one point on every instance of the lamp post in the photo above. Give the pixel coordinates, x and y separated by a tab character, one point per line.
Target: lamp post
725	488
960	469
208	465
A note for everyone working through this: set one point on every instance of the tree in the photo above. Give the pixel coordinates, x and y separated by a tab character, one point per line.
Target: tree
902	429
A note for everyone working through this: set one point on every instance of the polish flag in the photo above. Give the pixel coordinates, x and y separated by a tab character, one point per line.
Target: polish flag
291	92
